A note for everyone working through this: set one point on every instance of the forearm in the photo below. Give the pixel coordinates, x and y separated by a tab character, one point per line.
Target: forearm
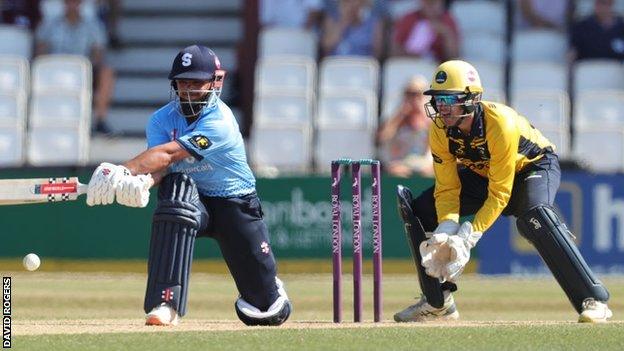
156	159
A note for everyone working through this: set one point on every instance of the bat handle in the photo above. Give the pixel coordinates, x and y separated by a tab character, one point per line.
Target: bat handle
82	188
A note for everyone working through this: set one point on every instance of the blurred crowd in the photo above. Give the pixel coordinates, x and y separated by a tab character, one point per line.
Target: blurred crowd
71	32
381	29
427	29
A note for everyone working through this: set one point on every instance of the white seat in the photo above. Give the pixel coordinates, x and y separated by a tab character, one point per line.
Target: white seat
397	71
494	95
70	109
15	41
543	107
333	144
277	41
286	73
12	109
492	75
142	90
115	150
14	73
539	75
480	16
540	46
282	147
11	145
57	146
352	73
484	47
548	111
61	73
130	119
294	109
599	109
607	143
352	110
598	75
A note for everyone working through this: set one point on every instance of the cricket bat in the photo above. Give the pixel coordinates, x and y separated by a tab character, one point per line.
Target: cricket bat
37	190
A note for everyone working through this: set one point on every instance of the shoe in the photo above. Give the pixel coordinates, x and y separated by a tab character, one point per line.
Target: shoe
423	311
594	312
103	128
163	315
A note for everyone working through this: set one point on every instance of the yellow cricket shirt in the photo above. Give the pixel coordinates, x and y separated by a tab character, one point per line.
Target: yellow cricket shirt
500	144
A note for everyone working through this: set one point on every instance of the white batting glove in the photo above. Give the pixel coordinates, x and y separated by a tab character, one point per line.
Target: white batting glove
435	252
460	246
133	191
103	183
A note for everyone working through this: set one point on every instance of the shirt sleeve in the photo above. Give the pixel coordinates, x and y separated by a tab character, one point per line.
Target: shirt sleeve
43	32
98	34
502	138
205	140
155	133
447	184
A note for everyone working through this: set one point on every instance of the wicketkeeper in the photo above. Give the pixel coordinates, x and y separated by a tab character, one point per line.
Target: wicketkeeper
196	154
488	161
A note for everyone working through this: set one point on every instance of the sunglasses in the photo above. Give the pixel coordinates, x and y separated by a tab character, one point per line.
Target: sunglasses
446	99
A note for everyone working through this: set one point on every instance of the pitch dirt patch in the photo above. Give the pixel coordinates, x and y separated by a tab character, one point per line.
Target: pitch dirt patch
101	326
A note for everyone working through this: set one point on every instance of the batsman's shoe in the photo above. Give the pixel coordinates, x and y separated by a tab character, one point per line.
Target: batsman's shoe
163	315
594	312
423	311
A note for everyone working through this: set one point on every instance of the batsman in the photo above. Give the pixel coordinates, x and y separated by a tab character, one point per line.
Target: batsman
488	161
196	153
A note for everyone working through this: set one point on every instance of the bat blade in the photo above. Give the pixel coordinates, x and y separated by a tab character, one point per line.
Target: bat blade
37	190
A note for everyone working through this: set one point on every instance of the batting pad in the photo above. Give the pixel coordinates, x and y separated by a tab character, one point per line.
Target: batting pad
550	236
176	221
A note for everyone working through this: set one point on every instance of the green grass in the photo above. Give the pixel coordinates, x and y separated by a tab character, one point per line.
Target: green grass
560	337
103	311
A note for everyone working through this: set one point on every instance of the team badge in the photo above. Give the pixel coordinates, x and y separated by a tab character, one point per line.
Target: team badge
200	142
264	247
440	77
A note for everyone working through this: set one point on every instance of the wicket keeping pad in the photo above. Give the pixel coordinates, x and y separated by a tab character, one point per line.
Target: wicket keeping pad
176	221
431	287
550	236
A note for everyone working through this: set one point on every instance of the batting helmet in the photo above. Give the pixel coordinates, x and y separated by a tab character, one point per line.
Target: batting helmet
196	62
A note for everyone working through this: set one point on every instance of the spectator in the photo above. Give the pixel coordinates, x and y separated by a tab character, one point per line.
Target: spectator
430	32
108	12
404	137
304	14
23	13
539	14
354	30
71	34
600	35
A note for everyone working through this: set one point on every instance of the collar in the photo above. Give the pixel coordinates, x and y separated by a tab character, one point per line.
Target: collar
477	129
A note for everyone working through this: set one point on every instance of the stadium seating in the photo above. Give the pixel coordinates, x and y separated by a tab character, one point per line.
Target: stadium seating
592	75
286	73
484	47
349	73
599	129
539	75
549	111
15	41
397	71
14	74
284	105
346	124
540	46
287	41
60	113
470	16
